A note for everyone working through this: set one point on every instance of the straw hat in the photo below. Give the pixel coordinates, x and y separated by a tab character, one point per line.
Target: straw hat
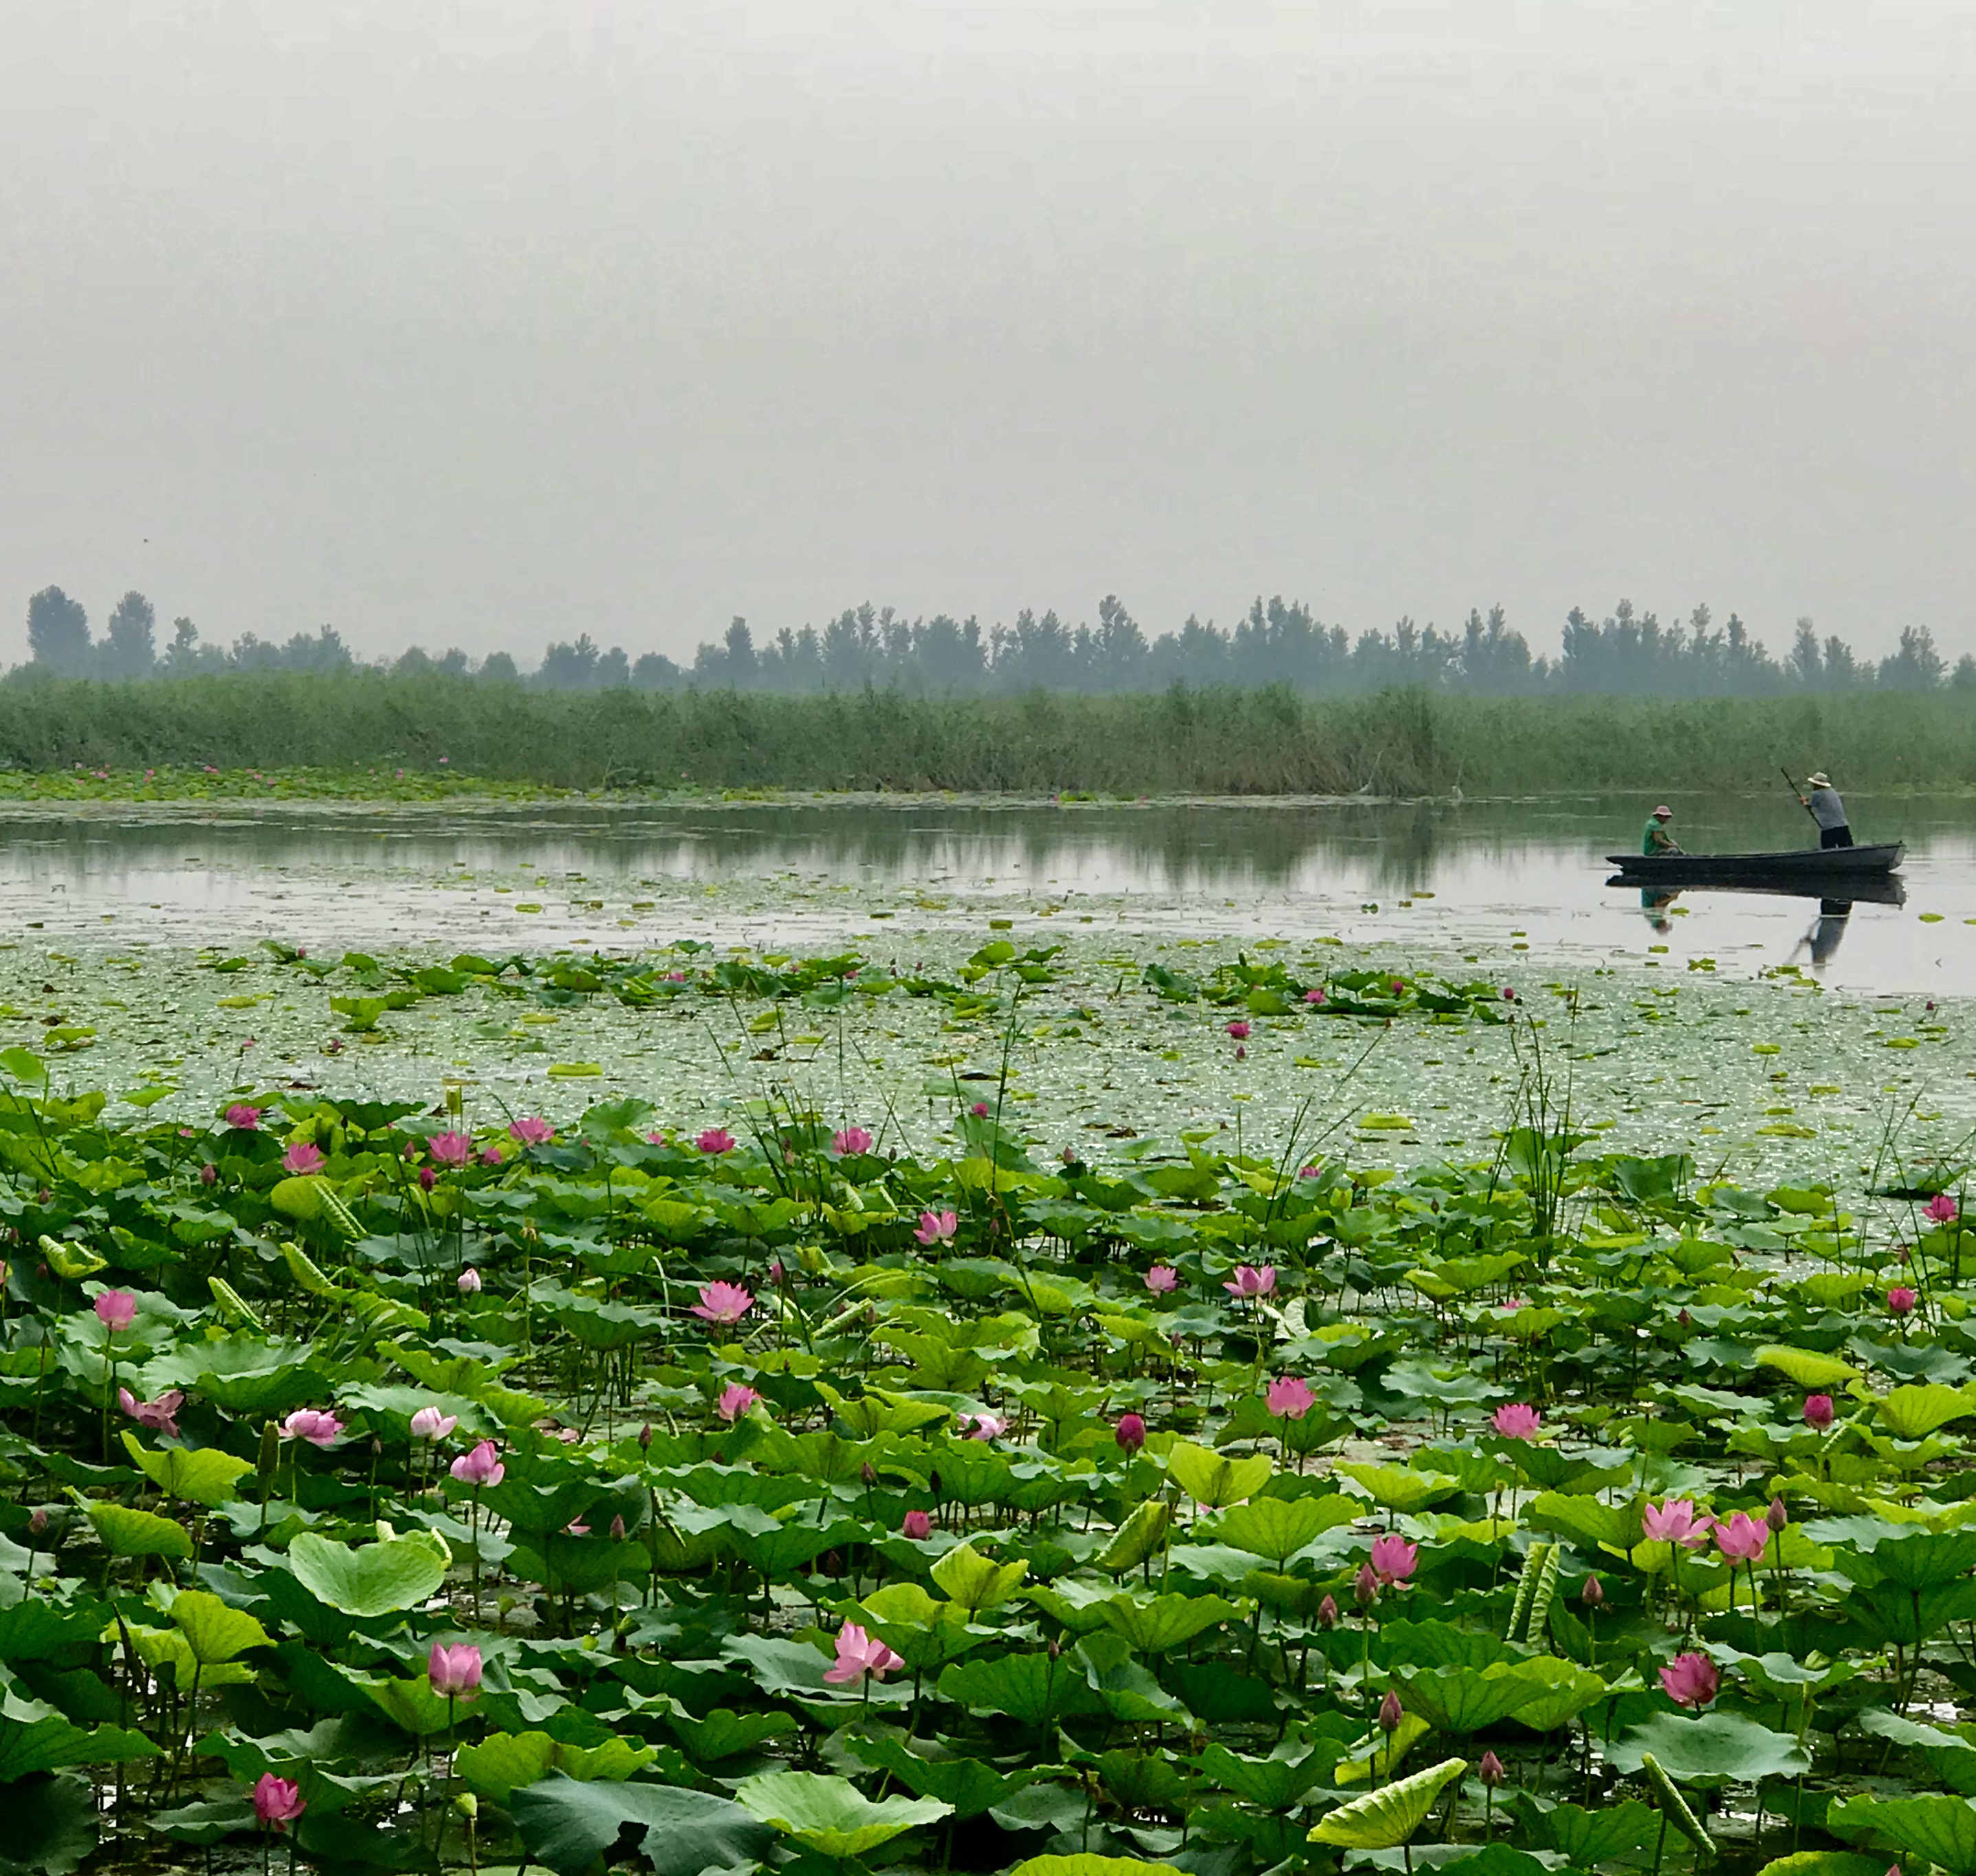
1820	780
1663	813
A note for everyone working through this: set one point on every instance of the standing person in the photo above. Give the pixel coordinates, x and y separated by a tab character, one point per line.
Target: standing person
1828	810
1658	839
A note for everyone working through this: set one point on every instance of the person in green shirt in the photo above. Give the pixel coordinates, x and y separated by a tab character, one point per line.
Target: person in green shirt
1657	839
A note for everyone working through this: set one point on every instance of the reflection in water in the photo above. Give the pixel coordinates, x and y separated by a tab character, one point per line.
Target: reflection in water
1654	904
1824	936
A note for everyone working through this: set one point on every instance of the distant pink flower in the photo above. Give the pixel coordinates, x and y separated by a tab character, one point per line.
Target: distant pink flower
1742	1539
936	1227
860	1655
531	1130
1399	989
657	1137
849	1140
1818	1412
428	1178
468	1282
451	1149
987	1426
116	1310
1690	1679
1901	1300
160	1415
1250	1283
576	1528
454	1672
481	1466
1313	995
1674	1522
1509	995
980	1111
429	1423
208	1173
278	1802
736	1401
716	1140
492	1156
303	1157
1162	1279
1394	1559
1239	1031
1130	1432
1940	1210
1516	1421
320	1430
917	1526
244	1117
1289	1395
722	1303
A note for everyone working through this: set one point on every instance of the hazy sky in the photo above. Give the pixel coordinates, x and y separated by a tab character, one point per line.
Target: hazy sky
491	322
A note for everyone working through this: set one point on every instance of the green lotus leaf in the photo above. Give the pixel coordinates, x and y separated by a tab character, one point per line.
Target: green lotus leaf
1940	1828
499	1764
1030	1688
975	1583
1385	1818
568	1825
831	1816
967	1785
1709	1748
1398	1488
205	1477
1214	1479
724	1733
1913	1413
373	1579
1153	1625
1816	1373
1139	1538
126	1531
51	1823
1086	1863
1824	1863
214	1631
1280	1527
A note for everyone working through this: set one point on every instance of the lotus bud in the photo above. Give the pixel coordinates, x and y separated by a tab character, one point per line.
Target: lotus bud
1776	1517
1491	1771
1818	1411
617	1528
1684	1319
645	1437
270	1449
1593	1594
1366	1587
1054	1650
376	1447
1327	1613
1390	1713
38	1521
468	1806
1130	1433
868	1473
833	1564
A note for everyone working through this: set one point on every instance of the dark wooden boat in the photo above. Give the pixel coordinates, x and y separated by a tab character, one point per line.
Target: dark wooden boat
1815	866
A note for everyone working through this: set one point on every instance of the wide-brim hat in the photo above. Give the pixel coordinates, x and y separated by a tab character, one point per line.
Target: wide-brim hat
1821	780
1663	813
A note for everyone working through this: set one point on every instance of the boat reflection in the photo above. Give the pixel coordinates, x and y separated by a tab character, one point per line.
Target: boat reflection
1877	889
1823	937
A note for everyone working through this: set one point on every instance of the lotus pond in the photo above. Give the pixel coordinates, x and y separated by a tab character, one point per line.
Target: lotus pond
980	1390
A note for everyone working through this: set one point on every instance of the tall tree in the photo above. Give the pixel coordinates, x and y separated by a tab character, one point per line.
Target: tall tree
130	646
58	632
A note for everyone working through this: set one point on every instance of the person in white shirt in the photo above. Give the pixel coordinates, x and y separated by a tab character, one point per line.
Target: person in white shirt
1828	810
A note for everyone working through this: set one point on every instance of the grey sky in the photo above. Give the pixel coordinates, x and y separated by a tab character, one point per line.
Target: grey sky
497	320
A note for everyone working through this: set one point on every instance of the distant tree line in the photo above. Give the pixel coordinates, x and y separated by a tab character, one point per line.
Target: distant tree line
1276	642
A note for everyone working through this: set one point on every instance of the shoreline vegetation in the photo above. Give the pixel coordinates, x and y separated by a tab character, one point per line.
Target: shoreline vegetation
367	736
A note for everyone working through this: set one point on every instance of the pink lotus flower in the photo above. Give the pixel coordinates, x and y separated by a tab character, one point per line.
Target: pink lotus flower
1674	1522
1818	1412
736	1401
1239	1031
1940	1210
1399	989
1248	1283
482	1466
454	1672
917	1526
1691	1680
278	1802
427	1179
936	1227
576	1528
429	1423
1162	1279
468	1282
116	1310
849	1140
987	1426
1743	1539
860	1655
1509	995
980	1111
160	1415
1393	1560
531	1130
321	1430
1901	1300
722	1304
304	1157
1289	1395
1516	1421
451	1149
492	1156
242	1117
1130	1432
1313	995
716	1140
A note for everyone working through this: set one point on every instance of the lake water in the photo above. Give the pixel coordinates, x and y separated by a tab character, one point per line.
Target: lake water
1443	875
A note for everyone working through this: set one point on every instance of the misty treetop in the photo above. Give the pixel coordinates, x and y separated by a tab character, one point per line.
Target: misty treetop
1276	642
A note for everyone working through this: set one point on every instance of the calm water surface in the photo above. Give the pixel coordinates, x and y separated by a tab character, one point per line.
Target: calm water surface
1485	875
